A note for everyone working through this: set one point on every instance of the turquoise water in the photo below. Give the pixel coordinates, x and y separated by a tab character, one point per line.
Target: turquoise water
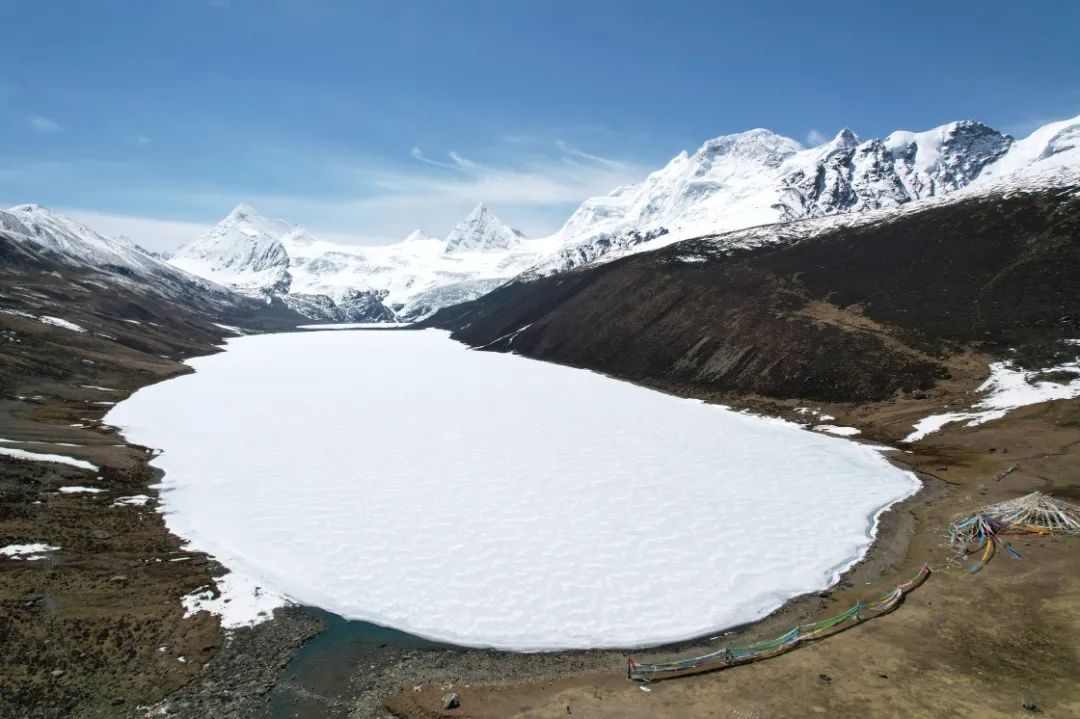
317	680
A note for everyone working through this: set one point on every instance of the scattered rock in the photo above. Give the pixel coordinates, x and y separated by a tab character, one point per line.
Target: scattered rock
99	534
118	578
451	701
1029	704
57	672
824	678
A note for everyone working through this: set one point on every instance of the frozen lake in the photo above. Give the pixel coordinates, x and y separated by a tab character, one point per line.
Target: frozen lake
490	500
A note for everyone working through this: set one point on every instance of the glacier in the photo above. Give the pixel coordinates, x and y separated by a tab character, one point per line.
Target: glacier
489	500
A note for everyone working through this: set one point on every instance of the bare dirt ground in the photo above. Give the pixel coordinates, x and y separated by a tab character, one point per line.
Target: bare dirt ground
98	629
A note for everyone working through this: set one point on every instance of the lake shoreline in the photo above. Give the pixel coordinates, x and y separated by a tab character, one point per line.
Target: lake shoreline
734	473
449	665
254	662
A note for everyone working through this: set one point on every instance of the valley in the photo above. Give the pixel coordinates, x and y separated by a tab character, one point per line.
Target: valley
842	309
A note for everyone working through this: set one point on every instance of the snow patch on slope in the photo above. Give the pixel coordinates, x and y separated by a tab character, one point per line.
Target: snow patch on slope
39	457
1007	388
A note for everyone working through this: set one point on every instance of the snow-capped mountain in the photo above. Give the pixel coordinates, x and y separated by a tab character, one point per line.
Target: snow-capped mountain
745	180
41	237
243	251
482	231
75	242
410	278
758	178
76	245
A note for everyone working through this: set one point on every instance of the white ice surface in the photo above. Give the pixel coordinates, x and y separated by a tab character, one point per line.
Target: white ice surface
81	490
354	326
38	457
490	500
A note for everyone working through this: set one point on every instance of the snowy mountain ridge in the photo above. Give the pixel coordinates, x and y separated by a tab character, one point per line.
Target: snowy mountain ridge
86	263
744	180
262	257
243	251
749	187
77	245
758	178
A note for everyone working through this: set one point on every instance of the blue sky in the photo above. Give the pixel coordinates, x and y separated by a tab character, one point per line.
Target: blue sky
364	120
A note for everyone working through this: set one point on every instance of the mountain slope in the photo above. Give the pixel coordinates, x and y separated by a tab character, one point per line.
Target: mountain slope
854	308
37	236
63	284
243	251
759	178
750	179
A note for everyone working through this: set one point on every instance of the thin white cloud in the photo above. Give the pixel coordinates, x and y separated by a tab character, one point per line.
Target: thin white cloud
361	201
417	154
42	124
465	163
815	138
581	154
536	196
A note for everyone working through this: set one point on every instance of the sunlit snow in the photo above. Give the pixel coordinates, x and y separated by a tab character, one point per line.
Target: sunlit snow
240	601
838	431
354	326
491	500
29	552
137	500
61	322
1007	388
40	457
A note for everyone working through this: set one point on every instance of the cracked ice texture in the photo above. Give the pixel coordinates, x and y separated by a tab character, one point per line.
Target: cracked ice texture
489	500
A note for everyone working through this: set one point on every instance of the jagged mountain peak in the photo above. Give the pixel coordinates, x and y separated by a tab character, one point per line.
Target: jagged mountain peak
482	231
30	207
758	145
244	251
417	235
77	244
845	139
242	211
44	221
759	178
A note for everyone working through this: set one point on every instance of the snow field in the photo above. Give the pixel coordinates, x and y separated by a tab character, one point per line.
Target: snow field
489	500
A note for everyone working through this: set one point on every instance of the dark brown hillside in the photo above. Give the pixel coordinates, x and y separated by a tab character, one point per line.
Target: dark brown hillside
854	314
97	628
